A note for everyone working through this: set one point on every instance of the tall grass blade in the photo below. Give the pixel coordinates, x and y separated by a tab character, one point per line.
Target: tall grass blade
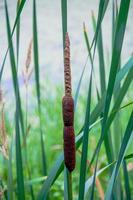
79	85
108	143
117	47
100	55
10	173
90	57
18	32
123	71
85	144
64	20
37	78
126	179
116	124
90	180
127	135
21	6
13	68
19	167
116	106
101	12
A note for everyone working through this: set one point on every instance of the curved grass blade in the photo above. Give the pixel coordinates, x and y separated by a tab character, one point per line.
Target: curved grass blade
126	178
101	12
10	173
18	33
64	20
14	26
54	173
118	41
108	143
79	84
90	56
19	165
127	135
13	68
35	181
85	144
116	106
101	55
123	71
37	78
90	180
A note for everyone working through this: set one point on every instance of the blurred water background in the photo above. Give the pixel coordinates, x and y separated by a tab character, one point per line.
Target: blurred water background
50	38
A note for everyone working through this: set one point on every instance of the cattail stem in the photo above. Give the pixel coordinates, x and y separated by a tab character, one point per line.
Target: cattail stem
69	178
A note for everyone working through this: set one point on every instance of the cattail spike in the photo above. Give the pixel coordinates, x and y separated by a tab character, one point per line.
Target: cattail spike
68	112
69	148
67	69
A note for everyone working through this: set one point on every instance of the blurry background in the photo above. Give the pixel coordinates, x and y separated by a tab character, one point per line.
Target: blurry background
52	83
50	37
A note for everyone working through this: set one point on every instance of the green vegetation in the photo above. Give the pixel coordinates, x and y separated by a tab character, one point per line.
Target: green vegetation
31	137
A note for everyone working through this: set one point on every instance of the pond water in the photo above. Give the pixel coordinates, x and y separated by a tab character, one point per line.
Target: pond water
50	37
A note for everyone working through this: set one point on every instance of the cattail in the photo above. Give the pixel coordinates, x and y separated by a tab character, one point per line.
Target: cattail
3	134
28	59
68	112
27	71
1	96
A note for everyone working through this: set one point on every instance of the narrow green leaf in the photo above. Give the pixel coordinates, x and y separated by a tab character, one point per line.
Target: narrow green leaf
123	71
126	179
35	181
79	85
19	166
14	26
13	68
127	135
10	173
85	144
117	47
64	20
101	56
18	32
108	143
101	12
37	78
90	180
116	106
90	57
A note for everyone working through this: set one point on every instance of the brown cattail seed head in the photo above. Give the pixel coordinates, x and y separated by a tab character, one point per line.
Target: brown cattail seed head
69	148
68	110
